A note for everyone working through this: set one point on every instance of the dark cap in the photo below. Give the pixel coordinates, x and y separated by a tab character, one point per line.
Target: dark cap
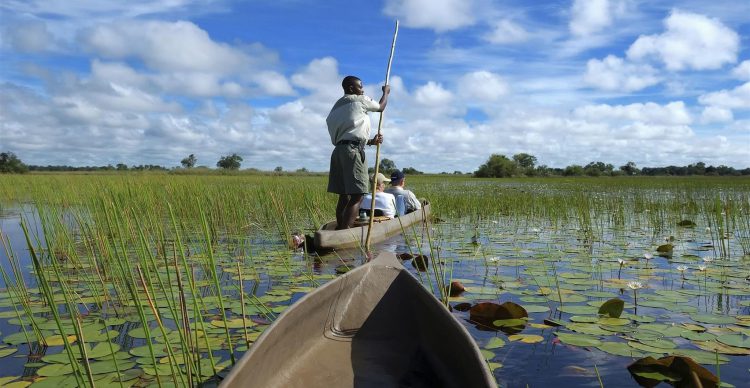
397	175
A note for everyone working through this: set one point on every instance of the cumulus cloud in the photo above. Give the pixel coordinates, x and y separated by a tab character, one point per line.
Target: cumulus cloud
737	98
439	15
482	87
673	113
164	46
615	74
589	16
691	41
715	114
506	31
742	71
182	59
433	94
318	74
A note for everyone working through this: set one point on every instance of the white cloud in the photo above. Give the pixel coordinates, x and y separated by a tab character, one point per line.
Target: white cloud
273	83
165	46
714	114
506	31
105	72
318	74
691	41
742	71
482	87
183	60
737	98
673	113
433	95
613	73
29	37
439	15
88	8
589	16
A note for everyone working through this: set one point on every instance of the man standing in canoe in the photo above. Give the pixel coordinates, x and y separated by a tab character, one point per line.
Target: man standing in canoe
349	127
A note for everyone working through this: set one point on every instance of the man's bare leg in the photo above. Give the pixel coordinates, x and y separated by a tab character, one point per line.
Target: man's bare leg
340	206
349	211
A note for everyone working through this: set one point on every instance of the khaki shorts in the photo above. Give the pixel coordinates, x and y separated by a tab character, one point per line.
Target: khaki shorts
348	173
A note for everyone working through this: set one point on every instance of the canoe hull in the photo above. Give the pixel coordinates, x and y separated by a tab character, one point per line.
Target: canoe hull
375	326
327	238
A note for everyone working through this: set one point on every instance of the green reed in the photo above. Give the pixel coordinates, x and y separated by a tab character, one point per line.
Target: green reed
154	243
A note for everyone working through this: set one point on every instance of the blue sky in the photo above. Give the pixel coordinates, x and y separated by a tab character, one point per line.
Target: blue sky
571	82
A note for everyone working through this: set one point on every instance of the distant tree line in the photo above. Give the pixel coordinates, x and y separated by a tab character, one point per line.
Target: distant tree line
109	167
388	166
523	164
497	166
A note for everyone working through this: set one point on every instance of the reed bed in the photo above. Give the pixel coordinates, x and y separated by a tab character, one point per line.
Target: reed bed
159	279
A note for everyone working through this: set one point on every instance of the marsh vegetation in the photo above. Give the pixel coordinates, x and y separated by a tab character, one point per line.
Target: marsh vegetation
156	279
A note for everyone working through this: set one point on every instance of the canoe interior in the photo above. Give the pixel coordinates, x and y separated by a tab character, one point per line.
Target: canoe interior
373	327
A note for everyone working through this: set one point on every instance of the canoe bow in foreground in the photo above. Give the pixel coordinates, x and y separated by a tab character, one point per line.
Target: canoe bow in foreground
375	326
328	238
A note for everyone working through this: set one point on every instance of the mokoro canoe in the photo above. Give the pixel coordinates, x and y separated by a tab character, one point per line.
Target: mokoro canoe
375	326
327	237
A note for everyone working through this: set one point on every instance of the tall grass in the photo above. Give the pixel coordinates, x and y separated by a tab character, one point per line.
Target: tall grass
158	246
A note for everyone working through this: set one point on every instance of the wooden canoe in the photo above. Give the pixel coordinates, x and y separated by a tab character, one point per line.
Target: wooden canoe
327	237
375	326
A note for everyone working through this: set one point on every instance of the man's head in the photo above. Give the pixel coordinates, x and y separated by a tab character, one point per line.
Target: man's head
352	85
397	178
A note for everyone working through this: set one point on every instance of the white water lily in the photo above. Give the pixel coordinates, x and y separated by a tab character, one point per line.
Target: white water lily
708	259
635	285
708	230
648	256
619	271
493	259
701	268
682	268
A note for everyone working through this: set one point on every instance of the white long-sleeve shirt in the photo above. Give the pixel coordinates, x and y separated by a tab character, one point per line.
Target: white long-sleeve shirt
383	201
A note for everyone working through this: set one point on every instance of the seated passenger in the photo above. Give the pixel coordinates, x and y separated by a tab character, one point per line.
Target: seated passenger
385	204
398	180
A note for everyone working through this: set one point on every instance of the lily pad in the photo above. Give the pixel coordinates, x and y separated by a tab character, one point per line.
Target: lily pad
526	338
578	339
736	340
536	308
619	349
7	352
715	346
577	309
647	348
711	318
695	336
55	370
495	343
235	323
649	372
612	308
665	248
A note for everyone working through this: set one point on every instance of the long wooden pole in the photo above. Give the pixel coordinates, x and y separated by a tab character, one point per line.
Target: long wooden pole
377	148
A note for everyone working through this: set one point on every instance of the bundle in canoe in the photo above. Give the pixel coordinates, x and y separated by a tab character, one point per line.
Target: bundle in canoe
375	326
327	237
